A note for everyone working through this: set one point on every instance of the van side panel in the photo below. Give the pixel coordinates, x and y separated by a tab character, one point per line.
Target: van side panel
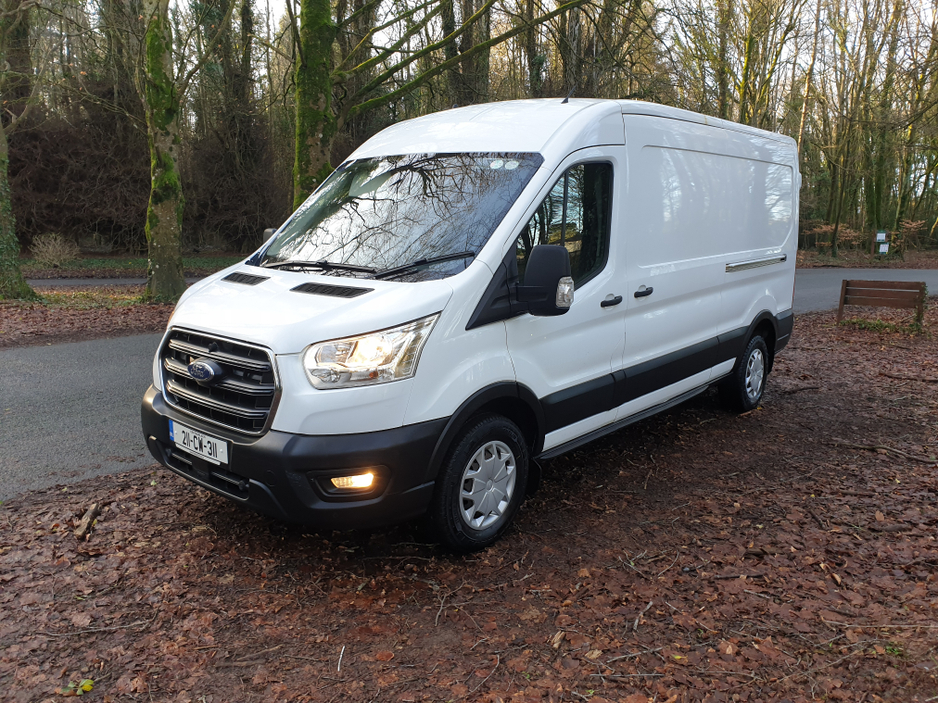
760	264
673	246
713	215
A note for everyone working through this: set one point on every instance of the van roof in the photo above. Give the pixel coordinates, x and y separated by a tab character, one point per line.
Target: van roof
540	125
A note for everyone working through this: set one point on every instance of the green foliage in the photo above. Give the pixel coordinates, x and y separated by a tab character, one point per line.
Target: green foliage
76	690
876	325
166	185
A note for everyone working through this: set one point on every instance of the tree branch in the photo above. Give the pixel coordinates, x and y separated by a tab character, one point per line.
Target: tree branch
439	68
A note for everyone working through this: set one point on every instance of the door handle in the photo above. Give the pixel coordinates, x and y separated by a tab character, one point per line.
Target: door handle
609	302
642	292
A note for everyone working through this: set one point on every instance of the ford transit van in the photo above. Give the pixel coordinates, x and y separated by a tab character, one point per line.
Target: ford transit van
474	290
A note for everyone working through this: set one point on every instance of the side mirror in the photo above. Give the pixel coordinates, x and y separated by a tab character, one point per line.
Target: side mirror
268	233
548	286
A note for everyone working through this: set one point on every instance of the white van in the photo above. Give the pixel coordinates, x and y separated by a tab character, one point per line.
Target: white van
474	290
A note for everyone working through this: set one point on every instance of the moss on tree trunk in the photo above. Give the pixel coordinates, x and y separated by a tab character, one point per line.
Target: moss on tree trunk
165	280
315	120
12	283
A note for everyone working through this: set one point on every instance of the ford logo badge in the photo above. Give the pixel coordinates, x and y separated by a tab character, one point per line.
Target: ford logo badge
205	371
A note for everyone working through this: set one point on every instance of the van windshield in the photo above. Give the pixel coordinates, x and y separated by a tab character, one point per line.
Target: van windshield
405	218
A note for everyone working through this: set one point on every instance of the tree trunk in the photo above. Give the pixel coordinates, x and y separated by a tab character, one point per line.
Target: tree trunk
724	17
883	151
17	78
12	283
534	58
165	281
315	120
809	76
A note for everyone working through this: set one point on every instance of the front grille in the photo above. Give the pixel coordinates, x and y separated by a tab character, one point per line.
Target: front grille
242	397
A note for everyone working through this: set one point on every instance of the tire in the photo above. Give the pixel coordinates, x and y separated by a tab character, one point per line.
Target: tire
481	485
743	390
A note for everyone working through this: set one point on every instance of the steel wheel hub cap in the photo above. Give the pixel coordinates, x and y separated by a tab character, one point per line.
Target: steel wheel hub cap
755	374
488	483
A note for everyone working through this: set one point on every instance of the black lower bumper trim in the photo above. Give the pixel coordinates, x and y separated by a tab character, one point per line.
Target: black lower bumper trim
281	474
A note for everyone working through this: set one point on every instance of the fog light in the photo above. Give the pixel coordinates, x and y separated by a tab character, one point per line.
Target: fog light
356	481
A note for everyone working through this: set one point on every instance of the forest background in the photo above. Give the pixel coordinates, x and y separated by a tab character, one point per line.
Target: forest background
133	126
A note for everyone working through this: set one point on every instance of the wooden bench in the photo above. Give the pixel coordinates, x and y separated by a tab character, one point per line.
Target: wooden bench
884	294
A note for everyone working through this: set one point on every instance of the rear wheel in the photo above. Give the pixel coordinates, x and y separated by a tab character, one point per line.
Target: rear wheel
742	390
481	485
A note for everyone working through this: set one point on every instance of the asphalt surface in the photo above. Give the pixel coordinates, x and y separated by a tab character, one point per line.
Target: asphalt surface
819	289
72	411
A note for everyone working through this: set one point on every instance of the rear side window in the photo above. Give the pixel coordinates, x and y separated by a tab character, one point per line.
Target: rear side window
575	214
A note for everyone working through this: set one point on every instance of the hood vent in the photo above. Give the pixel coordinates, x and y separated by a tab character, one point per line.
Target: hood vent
239	277
329	290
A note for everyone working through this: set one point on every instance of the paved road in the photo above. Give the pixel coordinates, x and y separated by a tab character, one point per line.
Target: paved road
819	289
72	411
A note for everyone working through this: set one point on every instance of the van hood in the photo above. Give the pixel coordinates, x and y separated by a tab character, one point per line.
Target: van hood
271	312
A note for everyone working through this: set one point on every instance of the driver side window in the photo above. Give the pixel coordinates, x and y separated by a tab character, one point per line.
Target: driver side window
575	214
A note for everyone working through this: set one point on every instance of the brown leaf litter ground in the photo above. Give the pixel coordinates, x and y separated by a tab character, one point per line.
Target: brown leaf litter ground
785	554
79	313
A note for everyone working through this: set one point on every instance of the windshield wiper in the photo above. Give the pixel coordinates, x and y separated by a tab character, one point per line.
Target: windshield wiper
326	266
422	262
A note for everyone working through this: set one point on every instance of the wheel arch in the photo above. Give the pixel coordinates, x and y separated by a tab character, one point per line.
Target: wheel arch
510	399
765	324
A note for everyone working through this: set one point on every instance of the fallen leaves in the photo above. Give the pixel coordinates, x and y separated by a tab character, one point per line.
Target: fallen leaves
769	573
110	312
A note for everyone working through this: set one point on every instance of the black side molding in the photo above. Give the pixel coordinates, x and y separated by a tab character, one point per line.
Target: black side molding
621	386
786	323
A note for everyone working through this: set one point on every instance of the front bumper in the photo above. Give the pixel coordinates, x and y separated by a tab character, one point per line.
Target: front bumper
282	475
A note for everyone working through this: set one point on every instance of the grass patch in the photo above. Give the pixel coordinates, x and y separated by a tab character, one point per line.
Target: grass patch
876	325
85	298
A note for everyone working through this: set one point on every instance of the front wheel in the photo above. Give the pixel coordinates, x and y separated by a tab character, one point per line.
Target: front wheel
481	485
743	389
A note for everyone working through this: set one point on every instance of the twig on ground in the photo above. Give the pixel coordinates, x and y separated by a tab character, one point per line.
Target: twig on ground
87	521
638	618
676	555
885	625
100	630
339	666
630	565
874	448
818	519
637	674
764	596
497	661
635	655
800	388
926	379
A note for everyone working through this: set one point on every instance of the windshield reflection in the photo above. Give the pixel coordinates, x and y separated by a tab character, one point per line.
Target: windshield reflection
388	212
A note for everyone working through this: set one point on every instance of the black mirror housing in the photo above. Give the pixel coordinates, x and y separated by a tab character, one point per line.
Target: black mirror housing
548	285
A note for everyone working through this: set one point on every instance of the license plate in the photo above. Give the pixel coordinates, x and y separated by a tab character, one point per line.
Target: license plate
213	449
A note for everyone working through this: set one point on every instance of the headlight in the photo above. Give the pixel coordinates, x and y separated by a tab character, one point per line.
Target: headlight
374	358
